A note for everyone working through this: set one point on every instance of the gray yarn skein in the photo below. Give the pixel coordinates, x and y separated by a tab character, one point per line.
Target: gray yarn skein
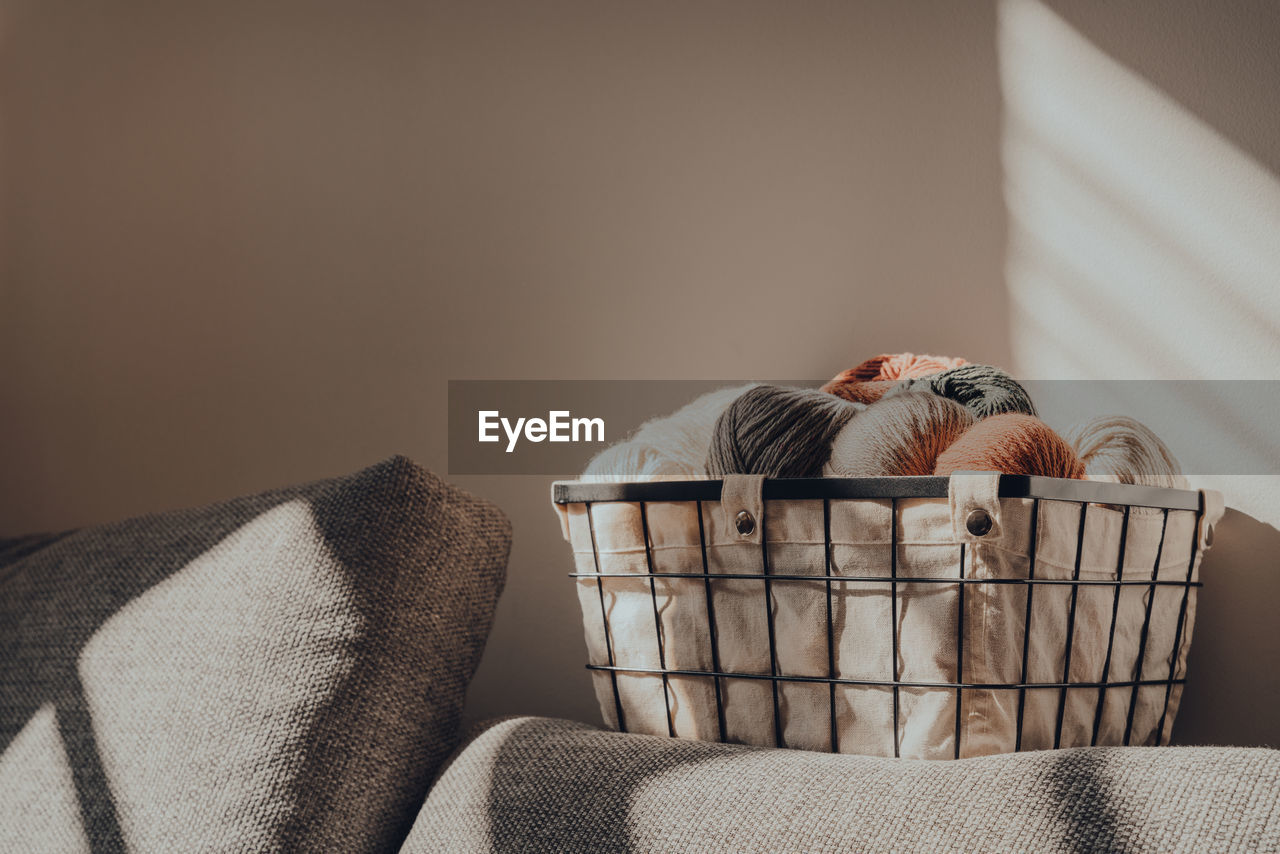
777	432
981	389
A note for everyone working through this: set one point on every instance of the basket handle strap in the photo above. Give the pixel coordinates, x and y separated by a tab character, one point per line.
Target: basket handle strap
1213	507
742	499
972	494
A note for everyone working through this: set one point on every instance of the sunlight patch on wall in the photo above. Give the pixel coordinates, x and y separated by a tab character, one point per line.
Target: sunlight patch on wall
1142	243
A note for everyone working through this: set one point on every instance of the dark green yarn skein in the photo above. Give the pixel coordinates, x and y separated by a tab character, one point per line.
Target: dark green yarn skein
981	389
777	432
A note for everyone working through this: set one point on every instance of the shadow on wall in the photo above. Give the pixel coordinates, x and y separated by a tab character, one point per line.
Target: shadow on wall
1232	672
1143	244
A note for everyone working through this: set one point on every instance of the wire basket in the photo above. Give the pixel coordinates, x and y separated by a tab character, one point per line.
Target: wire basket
915	617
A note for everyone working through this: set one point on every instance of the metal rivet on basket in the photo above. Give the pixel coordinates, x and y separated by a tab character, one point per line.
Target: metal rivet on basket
745	522
978	522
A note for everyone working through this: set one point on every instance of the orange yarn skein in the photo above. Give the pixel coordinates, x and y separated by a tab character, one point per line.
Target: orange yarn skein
1011	443
859	391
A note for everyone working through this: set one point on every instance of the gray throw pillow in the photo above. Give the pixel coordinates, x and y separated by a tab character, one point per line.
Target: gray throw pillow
279	672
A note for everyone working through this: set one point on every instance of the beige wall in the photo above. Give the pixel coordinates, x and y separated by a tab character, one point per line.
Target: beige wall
248	243
1141	153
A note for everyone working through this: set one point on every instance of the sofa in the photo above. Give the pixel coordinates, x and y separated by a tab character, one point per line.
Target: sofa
286	672
535	784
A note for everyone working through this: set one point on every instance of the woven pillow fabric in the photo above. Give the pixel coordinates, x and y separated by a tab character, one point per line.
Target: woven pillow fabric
279	672
534	784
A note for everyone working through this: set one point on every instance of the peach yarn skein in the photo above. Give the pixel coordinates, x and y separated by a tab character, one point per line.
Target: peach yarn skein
898	436
867	382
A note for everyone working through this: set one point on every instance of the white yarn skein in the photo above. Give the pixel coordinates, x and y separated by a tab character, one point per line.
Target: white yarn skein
673	447
1119	449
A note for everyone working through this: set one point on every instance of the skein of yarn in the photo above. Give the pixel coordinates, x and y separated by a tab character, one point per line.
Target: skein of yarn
637	461
899	436
777	432
1012	443
668	448
865	392
1125	450
901	366
867	382
982	389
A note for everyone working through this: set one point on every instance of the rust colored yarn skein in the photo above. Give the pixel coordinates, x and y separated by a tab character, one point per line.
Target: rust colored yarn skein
898	436
1011	443
858	391
867	382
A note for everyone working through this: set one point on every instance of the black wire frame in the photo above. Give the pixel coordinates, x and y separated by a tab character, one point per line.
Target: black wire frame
894	490
799	488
